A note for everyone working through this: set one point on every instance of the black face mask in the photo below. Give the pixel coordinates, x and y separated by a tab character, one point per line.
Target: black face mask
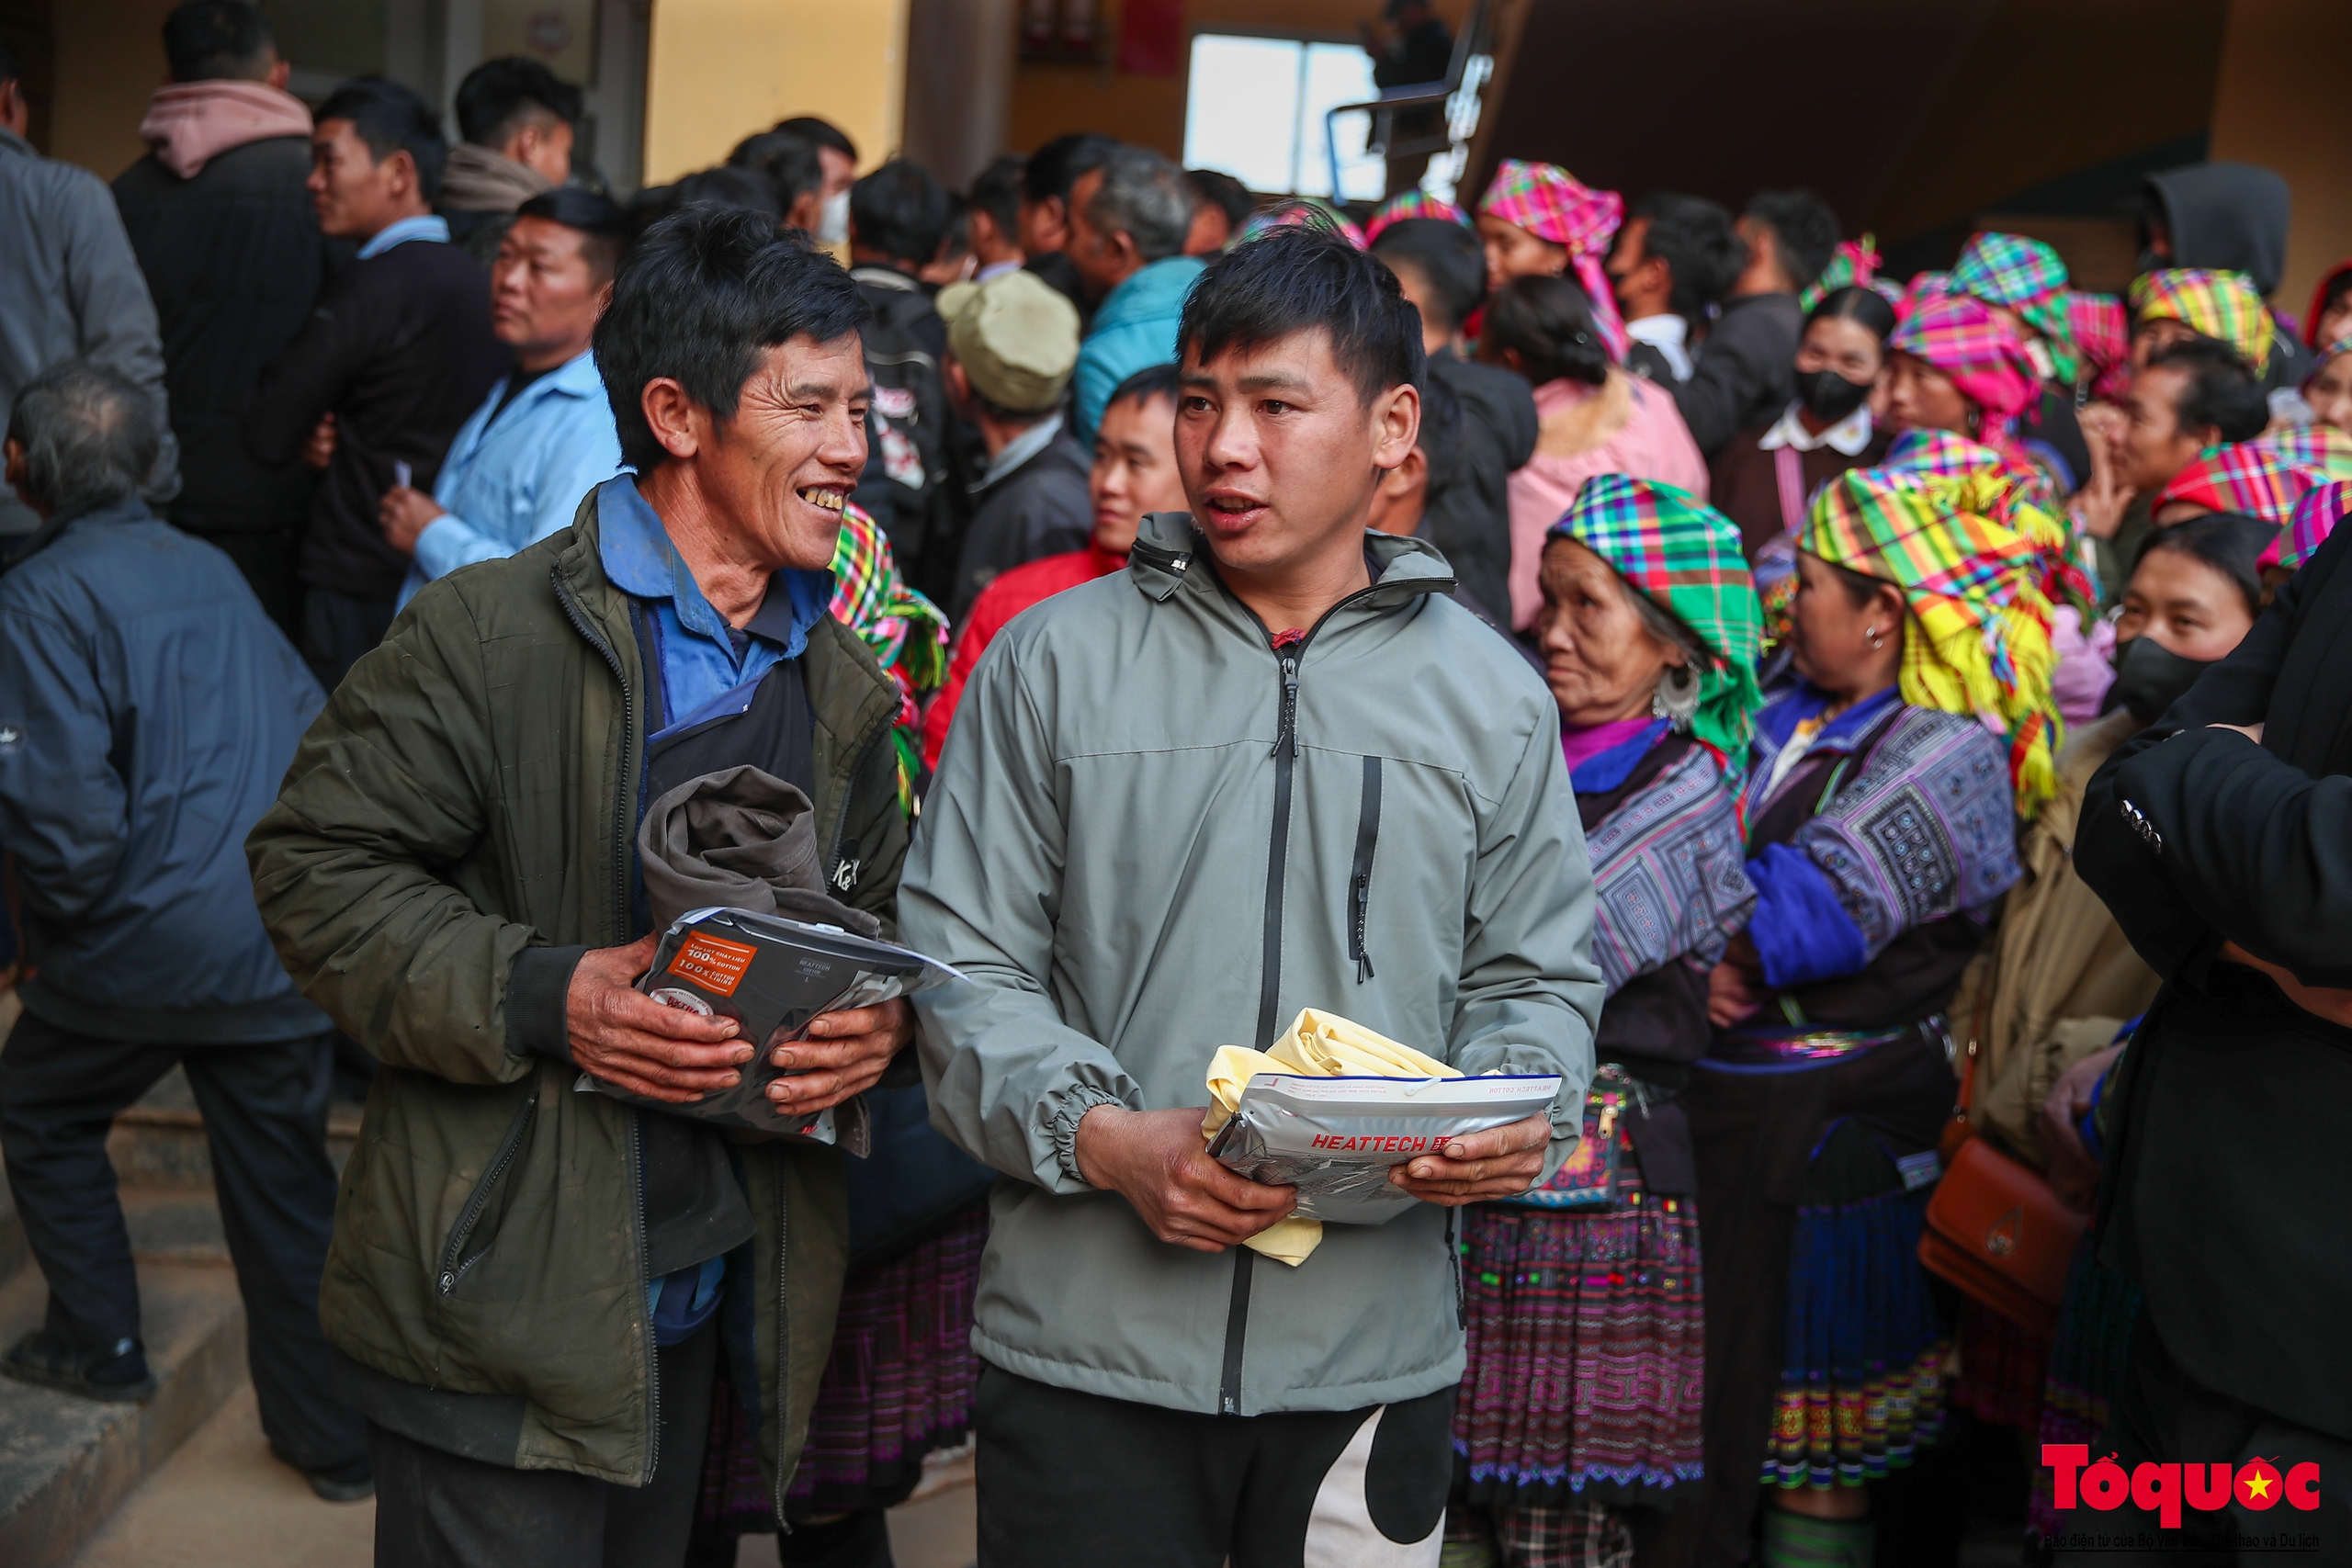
2150	678
1829	396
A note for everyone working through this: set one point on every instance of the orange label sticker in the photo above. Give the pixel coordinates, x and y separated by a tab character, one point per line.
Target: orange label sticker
714	965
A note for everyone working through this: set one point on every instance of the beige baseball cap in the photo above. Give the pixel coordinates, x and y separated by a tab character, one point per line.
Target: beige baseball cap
1016	337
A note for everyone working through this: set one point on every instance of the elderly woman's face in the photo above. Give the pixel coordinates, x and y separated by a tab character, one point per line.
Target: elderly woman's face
1599	658
776	475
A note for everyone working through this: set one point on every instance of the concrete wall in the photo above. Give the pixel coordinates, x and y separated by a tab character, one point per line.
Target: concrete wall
2281	101
720	70
108	63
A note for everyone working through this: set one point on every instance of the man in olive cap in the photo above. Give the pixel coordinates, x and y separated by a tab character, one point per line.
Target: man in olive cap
1011	344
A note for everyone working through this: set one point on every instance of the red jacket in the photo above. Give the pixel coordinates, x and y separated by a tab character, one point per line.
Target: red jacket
999	602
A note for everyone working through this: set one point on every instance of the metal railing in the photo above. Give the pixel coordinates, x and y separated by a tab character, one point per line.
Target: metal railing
1466	78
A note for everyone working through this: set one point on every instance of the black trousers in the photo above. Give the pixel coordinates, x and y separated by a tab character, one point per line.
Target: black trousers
337	629
265	1117
437	1509
1071	1480
2162	1416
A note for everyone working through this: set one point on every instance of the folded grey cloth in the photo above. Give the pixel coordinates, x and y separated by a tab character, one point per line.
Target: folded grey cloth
738	839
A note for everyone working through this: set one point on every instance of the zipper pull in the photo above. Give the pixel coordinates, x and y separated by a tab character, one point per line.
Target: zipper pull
1286	737
1363	910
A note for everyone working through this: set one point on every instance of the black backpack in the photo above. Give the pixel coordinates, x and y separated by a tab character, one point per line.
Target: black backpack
917	470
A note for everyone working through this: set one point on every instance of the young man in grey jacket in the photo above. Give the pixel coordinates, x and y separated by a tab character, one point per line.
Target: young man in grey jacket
1269	766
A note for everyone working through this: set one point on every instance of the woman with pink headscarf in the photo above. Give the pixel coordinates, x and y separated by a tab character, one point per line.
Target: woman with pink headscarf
1537	221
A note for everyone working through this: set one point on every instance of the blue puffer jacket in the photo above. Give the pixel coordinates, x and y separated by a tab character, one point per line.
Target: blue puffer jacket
1135	326
148	710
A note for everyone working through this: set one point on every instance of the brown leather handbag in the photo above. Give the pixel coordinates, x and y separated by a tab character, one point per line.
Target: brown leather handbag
1995	1230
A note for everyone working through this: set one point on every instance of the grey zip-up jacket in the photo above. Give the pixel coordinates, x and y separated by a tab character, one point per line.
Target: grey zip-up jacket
1151	834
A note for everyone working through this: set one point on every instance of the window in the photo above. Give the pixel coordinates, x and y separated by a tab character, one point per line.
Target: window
1255	108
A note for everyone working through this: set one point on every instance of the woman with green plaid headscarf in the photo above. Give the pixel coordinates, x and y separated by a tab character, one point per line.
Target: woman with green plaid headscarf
1649	632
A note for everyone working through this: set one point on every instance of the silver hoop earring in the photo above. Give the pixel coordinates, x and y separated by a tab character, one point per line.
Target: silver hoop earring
1877	641
1677	697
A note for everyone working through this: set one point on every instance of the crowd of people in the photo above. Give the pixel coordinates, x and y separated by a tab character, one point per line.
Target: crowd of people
1867	736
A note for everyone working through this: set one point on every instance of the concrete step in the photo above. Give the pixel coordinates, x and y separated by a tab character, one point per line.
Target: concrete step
160	1141
66	1463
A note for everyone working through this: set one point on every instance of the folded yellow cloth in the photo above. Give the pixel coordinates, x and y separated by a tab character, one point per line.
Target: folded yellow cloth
1316	1045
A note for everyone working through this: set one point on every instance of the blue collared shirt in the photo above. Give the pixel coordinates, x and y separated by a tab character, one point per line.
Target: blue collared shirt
512	479
427	226
704	659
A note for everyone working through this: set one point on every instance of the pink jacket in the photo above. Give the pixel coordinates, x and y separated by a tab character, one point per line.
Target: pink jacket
1626	426
190	123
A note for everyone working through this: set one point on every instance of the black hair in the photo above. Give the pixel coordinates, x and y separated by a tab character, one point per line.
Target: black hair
697	299
900	210
2228	542
212	40
1549	321
723	187
2338	288
1858	303
1860	586
498	96
1804	226
996	190
390	119
1449	258
787	162
1151	381
956	240
11	69
604	227
1441	437
1214	188
2220	391
822	132
1289	281
1052	169
1694	238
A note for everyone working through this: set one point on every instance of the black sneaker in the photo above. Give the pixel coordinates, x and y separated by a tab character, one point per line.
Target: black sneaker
114	1375
352	1482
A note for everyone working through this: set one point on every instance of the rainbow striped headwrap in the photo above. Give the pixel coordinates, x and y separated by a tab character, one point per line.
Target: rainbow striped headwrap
2315	517
2320	447
2021	501
1549	203
1414	203
906	632
2027	277
1685	556
2219	304
1959	336
2252	478
1979	647
1853	263
2103	333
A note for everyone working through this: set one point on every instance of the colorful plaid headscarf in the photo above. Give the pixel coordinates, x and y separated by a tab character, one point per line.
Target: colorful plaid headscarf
1685	556
1923	286
1983	644
2319	364
906	632
2103	333
2027	277
2320	447
1306	212
1548	202
1414	203
2220	304
1959	337
1851	264
2315	517
2253	478
2021	501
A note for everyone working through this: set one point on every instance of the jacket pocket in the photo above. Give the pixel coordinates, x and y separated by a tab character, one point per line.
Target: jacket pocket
1359	911
476	1231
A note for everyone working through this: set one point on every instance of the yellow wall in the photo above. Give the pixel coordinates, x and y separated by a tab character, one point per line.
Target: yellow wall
109	62
2282	103
720	70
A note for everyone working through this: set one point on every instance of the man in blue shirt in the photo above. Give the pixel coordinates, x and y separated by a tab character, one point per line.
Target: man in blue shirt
544	437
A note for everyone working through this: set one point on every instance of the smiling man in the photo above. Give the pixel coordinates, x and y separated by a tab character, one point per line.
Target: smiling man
528	1284
1269	766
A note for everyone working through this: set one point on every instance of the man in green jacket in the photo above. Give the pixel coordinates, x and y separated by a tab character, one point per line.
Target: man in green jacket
529	1286
1270	765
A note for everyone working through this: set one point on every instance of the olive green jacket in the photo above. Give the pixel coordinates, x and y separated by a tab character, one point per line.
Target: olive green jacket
453	832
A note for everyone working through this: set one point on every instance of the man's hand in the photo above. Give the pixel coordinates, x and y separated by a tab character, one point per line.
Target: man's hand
403	513
2074	1175
319	450
2099	505
2329	1002
845	1055
1735	986
1500	1162
1158	1161
625	1037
